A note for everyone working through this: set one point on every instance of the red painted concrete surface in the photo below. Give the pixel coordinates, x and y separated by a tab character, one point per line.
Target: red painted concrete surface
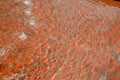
59	40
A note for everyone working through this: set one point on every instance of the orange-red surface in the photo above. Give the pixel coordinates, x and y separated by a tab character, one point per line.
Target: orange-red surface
59	40
111	2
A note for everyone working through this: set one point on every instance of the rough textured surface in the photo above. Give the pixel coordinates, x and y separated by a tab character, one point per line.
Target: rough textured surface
59	40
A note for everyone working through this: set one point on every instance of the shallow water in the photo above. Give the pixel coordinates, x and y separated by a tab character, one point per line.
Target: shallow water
59	40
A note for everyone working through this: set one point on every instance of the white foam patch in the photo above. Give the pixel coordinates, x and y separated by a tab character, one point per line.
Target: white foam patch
23	36
27	2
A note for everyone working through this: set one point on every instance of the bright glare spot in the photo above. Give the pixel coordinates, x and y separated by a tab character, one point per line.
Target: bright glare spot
27	12
23	36
32	22
27	2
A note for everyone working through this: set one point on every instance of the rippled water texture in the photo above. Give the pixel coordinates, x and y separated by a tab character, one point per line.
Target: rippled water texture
59	40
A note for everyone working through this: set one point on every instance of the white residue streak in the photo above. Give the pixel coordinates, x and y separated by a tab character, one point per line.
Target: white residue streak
23	36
